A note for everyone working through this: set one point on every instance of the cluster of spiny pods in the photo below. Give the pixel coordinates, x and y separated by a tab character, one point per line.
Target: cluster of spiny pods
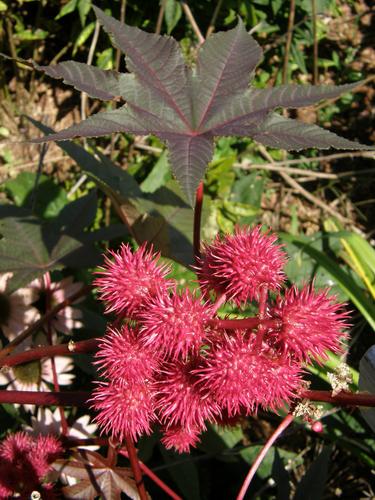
170	360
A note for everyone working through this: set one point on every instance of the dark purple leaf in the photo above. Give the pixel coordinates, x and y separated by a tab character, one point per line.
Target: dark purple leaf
189	156
285	133
98	83
156	60
187	109
250	107
104	123
224	65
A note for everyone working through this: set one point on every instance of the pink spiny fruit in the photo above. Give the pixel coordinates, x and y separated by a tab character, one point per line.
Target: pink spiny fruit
25	461
48	449
180	439
174	325
121	356
180	401
240	265
130	278
240	376
312	323
124	409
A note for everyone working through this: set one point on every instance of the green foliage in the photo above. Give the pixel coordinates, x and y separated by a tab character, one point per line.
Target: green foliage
43	229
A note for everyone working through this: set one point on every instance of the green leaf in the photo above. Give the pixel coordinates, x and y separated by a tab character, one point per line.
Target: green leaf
367	383
49	197
84	7
184	474
169	221
158	176
67	9
83	36
358	253
250	453
77	215
312	484
29	249
172	14
343	279
281	477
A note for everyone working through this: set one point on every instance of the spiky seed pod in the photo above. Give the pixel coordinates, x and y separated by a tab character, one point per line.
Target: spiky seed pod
174	324
312	323
241	377
239	265
130	278
123	409
180	401
122	357
180	439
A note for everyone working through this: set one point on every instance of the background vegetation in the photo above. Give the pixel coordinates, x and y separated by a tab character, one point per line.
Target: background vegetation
321	205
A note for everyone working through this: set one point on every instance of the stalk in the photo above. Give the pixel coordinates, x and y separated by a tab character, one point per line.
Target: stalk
197	221
72	398
284	424
85	346
154	478
135	466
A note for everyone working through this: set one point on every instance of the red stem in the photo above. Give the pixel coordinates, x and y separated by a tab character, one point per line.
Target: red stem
72	398
49	351
341	399
47	285
38	324
281	428
154	478
243	324
135	466
197	221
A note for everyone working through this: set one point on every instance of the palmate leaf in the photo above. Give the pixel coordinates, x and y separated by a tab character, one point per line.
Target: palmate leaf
95	477
279	132
186	108
98	83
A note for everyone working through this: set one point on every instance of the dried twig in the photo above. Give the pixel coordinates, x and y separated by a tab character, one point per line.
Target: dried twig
192	21
288	42
211	26
159	22
315	44
316	201
277	166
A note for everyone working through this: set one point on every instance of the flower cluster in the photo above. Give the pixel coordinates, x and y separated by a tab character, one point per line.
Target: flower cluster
24	463
170	360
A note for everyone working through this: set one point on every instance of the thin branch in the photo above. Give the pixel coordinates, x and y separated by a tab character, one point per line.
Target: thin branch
90	57
38	324
315	44
135	466
288	43
192	21
341	399
282	165
315	200
306	194
122	20
48	351
197	221
72	398
159	21
154	478
211	26
42	155
259	459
